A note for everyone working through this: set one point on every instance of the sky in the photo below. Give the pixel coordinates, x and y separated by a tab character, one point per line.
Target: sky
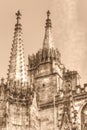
69	30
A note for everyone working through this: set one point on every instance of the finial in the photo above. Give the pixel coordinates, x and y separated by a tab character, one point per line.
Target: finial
48	20
48	14
18	14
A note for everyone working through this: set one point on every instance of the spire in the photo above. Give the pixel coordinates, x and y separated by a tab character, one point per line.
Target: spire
48	39
17	70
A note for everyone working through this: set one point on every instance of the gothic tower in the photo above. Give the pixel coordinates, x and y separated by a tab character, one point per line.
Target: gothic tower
61	99
45	71
21	96
45	67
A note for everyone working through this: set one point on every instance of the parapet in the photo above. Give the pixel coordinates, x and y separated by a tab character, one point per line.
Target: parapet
42	56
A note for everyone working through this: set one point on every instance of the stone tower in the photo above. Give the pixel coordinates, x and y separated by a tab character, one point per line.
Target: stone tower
45	71
62	101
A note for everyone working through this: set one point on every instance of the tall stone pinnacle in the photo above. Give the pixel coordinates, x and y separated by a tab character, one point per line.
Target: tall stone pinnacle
17	70
48	39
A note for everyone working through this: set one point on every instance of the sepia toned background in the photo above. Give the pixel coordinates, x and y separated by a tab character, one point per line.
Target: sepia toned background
69	20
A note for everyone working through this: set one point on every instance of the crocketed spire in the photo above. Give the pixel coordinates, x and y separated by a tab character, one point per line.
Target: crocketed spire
17	70
48	39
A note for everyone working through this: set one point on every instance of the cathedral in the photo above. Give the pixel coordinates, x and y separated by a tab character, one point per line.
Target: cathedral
44	95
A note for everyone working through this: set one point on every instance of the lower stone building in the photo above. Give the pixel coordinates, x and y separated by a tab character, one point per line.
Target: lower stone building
45	96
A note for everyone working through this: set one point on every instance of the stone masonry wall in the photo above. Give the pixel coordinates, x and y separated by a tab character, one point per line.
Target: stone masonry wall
47	119
46	88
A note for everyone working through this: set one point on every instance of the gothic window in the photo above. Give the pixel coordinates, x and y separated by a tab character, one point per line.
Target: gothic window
84	118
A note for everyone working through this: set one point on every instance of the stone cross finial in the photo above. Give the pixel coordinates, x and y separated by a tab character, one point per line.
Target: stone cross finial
18	14
48	14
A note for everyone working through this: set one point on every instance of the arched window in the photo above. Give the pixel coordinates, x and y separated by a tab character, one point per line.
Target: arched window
84	118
